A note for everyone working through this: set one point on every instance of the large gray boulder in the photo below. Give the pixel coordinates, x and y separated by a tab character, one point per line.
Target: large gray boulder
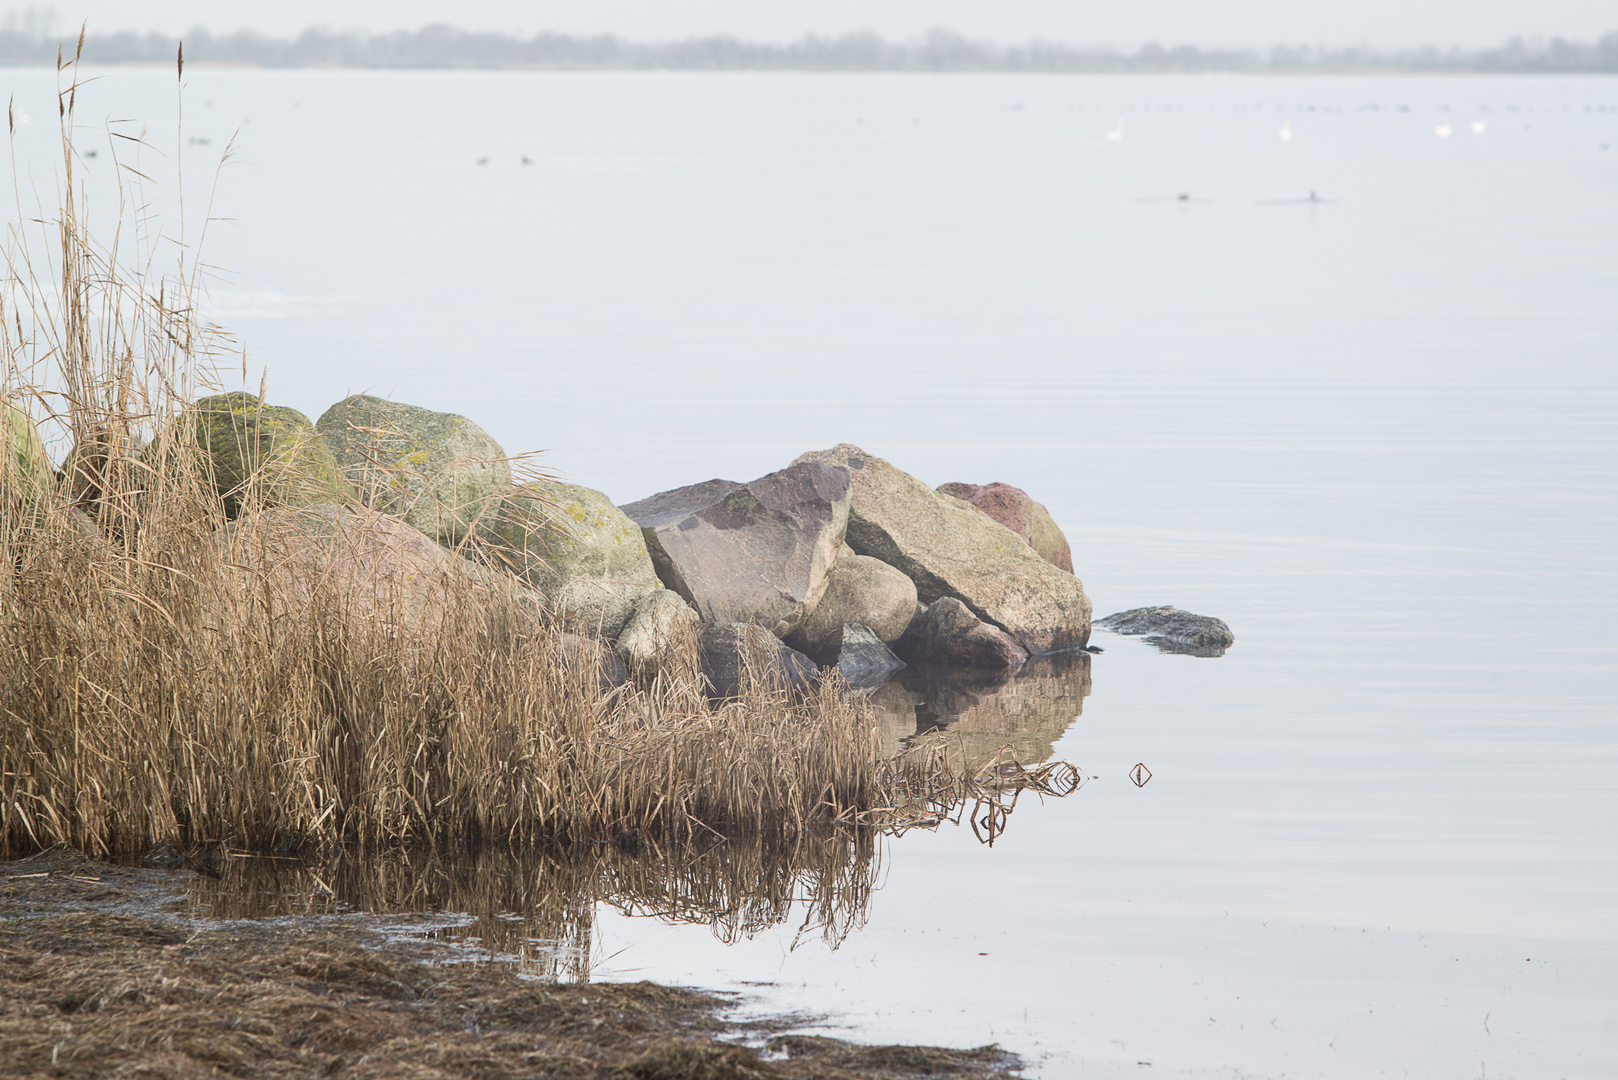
1016	510
662	619
1173	630
575	548
439	471
951	549
946	632
727	650
757	552
859	591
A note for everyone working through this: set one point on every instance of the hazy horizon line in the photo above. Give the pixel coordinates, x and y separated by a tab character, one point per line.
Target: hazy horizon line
441	45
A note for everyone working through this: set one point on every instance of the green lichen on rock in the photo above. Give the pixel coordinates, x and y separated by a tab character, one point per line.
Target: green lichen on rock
439	471
572	545
271	447
25	469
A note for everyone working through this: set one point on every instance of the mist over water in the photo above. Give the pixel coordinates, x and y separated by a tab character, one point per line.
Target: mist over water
1351	390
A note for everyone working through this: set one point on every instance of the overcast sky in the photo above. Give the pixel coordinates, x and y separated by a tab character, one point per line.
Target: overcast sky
1122	23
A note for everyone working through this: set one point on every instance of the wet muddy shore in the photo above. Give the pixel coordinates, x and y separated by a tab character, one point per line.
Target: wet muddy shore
104	972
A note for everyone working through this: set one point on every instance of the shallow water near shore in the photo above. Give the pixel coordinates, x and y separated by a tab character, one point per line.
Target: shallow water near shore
1373	431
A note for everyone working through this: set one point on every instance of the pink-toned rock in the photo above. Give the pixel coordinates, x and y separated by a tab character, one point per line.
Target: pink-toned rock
1017	511
373	571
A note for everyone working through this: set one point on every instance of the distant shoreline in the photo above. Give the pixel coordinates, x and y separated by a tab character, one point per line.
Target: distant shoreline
583	69
442	47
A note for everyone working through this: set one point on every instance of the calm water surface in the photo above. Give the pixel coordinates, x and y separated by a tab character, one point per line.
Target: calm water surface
1355	393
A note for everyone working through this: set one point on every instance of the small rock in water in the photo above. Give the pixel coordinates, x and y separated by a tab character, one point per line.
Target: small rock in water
863	659
1173	630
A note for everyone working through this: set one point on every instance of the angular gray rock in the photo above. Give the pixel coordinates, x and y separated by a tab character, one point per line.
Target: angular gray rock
862	658
438	471
950	548
578	550
859	590
1016	510
947	632
1173	630
726	649
670	506
756	552
661	619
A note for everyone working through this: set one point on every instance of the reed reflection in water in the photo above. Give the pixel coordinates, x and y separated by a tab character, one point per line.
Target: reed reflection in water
533	909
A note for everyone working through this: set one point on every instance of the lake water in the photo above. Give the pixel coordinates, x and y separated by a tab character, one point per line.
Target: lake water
1353	390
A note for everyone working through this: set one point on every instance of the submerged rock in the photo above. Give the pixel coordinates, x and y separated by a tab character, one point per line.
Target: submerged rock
576	549
864	661
757	552
1016	510
274	447
1173	630
727	648
951	549
946	632
439	471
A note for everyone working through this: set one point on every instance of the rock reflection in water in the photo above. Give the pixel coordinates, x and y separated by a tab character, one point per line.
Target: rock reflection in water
1029	709
534	909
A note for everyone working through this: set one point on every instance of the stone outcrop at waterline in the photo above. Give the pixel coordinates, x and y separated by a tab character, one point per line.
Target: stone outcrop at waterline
841	559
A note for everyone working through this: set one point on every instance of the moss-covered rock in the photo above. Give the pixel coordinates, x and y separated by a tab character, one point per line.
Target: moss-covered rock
572	545
271	446
439	471
25	469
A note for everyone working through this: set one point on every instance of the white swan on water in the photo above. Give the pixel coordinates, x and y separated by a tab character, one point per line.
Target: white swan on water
1117	134
1479	127
1443	131
1285	134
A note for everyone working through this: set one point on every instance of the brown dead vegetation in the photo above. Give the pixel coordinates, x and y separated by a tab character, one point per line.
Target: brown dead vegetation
95	983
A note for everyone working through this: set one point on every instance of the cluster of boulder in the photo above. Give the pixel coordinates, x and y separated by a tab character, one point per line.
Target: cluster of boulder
837	559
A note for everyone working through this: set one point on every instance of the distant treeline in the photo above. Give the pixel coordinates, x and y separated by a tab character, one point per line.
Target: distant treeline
442	46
